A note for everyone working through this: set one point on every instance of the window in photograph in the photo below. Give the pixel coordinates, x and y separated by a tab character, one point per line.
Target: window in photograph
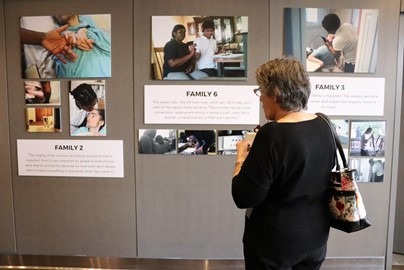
211	47
191	28
368	138
332	40
368	170
342	128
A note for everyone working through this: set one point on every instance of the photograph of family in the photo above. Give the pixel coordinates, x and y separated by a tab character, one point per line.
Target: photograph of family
332	40
199	47
65	46
87	108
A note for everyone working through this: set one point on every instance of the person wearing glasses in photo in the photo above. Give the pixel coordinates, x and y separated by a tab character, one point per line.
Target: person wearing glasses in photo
283	177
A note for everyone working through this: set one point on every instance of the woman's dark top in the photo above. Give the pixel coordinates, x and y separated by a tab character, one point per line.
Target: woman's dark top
285	180
172	50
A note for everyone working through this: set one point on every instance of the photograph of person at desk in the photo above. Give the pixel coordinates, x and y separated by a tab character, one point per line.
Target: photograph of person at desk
199	47
196	142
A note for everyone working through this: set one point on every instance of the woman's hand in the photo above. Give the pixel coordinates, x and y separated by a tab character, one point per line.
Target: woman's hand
83	42
190	68
78	40
192	48
243	148
32	91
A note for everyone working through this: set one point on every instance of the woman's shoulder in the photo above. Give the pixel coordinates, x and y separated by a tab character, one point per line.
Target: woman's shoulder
273	125
169	43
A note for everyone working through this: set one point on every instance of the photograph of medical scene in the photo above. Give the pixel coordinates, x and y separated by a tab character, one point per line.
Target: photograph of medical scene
87	108
157	141
331	39
196	47
65	46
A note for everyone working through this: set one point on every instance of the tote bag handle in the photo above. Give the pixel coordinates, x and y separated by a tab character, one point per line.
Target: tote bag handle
337	142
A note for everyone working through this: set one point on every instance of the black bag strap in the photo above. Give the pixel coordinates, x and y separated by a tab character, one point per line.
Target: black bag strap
337	142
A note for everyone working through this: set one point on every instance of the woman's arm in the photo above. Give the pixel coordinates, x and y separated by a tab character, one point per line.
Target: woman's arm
176	62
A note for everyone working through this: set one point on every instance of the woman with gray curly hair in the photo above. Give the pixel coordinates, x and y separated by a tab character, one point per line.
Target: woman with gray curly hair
283	177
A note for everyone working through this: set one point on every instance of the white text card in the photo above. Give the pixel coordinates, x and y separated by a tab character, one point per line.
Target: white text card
201	104
347	96
70	158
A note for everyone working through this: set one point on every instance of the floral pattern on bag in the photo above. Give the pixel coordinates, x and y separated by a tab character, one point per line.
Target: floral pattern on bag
347	182
344	207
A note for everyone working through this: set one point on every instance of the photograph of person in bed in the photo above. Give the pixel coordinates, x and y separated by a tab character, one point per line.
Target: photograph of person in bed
83	46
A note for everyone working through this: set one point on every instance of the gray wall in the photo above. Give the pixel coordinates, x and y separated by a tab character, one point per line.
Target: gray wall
7	229
58	215
185	208
165	206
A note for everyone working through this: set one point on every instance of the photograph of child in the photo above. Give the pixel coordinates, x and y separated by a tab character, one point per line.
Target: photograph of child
66	46
332	40
199	47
